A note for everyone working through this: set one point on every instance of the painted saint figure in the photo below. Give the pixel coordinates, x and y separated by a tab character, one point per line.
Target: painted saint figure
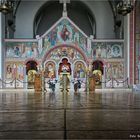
80	71
9	74
34	50
65	68
65	33
50	71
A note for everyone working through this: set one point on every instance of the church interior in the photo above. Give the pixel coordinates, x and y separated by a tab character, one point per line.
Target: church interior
69	69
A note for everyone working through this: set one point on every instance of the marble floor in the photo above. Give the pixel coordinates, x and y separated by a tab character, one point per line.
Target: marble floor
102	115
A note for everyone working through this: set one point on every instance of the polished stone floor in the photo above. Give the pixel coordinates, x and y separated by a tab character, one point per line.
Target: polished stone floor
107	115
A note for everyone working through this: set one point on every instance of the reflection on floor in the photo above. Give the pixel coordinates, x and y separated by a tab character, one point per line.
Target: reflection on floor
69	116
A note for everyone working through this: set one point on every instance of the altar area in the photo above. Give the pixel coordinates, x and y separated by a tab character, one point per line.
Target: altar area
64	46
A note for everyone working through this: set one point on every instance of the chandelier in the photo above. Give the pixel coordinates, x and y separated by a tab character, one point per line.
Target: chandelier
124	7
6	6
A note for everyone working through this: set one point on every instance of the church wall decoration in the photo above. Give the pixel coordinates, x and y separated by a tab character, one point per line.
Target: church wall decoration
17	52
71	53
14	70
50	70
79	70
25	49
115	73
115	70
66	33
62	41
107	50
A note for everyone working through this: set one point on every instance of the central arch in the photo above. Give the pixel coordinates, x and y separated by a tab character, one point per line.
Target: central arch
66	45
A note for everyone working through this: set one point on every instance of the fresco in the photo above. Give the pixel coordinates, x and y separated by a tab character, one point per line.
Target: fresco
22	49
64	66
79	70
71	53
65	33
115	70
14	69
49	70
107	50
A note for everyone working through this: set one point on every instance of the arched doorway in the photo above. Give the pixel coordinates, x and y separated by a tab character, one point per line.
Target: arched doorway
31	69
64	66
64	73
97	69
31	65
69	60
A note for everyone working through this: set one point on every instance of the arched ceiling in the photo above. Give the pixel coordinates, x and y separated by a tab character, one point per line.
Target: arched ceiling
51	11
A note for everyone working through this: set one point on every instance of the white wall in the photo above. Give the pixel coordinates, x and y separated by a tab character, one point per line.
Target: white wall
25	18
101	9
104	19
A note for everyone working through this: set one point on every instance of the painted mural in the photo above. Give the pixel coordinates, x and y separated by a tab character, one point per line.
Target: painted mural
115	70
49	71
102	50
79	70
14	70
64	66
22	49
71	53
66	33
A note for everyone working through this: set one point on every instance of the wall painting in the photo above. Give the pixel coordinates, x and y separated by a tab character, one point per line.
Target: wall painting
22	49
102	50
79	70
65	33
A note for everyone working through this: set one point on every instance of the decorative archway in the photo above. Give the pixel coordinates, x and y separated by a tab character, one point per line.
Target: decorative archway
64	66
31	69
31	65
97	65
68	46
97	70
